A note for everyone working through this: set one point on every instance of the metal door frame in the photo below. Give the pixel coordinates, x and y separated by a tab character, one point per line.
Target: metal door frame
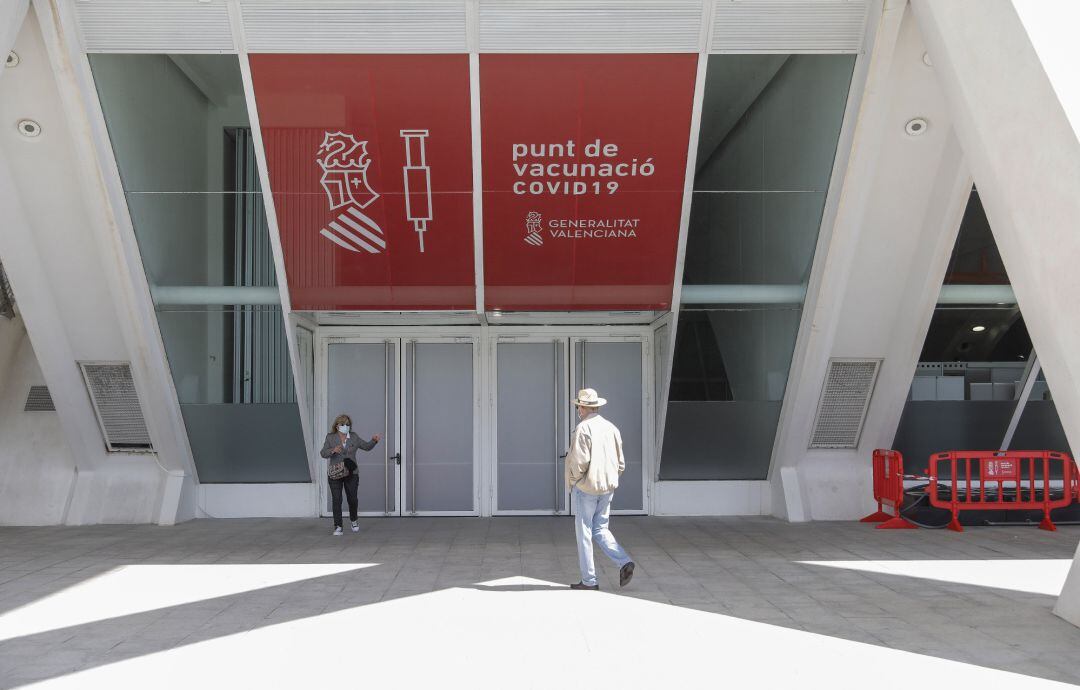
571	335
400	336
322	370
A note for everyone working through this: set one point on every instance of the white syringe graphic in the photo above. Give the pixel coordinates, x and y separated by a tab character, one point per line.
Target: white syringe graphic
417	181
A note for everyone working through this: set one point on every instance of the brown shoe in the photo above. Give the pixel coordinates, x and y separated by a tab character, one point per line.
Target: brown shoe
626	573
580	585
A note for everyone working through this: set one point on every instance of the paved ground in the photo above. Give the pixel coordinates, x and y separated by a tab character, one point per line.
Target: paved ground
467	602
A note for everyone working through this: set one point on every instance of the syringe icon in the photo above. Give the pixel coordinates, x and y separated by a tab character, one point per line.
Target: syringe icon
417	181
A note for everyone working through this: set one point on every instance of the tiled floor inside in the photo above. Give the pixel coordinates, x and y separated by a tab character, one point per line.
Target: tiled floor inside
479	602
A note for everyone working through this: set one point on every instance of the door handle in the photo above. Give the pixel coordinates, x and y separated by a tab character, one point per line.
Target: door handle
396	457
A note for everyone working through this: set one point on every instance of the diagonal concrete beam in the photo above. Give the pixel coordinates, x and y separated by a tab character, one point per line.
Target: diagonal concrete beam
1024	154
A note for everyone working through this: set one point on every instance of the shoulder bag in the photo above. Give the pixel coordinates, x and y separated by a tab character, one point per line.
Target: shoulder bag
337	469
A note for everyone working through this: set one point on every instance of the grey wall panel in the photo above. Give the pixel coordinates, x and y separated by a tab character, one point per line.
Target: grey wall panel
719	440
244	444
929	427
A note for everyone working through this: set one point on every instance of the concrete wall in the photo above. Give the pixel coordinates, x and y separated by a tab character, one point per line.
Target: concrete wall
37	468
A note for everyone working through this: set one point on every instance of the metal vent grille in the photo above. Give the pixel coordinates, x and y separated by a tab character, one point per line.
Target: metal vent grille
39	400
594	26
112	392
844	399
361	26
154	26
789	26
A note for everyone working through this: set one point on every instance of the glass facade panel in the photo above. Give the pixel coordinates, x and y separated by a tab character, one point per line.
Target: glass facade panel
770	126
179	130
974	364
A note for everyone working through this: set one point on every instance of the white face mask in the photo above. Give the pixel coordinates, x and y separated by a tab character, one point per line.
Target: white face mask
343	428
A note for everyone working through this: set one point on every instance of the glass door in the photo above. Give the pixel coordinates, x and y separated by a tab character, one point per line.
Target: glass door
532	419
439	412
362	381
421	395
535	379
614	367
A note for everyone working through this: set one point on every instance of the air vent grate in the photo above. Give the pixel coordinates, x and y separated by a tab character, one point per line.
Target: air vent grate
844	400
154	26
592	26
789	26
364	26
116	403
39	400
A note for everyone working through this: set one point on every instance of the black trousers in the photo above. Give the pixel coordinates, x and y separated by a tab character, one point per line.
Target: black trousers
350	483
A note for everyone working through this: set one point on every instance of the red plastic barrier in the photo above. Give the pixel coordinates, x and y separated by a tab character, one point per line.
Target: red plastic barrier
1002	480
889	490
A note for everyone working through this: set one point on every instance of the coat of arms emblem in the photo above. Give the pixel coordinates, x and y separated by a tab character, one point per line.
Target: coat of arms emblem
344	162
532	229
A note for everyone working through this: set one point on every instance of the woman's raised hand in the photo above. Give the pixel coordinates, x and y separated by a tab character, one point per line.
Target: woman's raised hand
376	437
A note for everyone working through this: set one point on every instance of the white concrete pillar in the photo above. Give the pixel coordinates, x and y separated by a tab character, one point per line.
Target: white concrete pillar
1023	151
877	273
74	287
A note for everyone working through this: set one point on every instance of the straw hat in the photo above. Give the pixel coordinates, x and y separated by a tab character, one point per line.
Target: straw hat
587	397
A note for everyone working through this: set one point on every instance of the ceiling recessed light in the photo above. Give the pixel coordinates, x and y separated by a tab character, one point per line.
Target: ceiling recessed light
28	128
12	59
916	126
978	329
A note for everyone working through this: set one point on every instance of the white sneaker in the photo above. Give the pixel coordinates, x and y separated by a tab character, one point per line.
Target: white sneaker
355	527
337	531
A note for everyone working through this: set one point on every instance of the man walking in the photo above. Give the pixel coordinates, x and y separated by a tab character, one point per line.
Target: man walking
593	467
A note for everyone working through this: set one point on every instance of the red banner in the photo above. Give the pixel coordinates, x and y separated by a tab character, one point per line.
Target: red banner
584	161
370	161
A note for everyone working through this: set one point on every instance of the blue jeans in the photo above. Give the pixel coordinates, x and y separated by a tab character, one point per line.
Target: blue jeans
591	522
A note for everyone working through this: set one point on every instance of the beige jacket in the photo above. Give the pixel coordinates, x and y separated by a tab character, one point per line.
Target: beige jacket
595	460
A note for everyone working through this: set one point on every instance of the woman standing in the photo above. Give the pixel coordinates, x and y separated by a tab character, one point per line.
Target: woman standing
339	449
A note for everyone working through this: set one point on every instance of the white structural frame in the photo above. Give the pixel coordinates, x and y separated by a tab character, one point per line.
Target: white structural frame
653	423
106	199
841	163
684	225
472	39
273	230
401	337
